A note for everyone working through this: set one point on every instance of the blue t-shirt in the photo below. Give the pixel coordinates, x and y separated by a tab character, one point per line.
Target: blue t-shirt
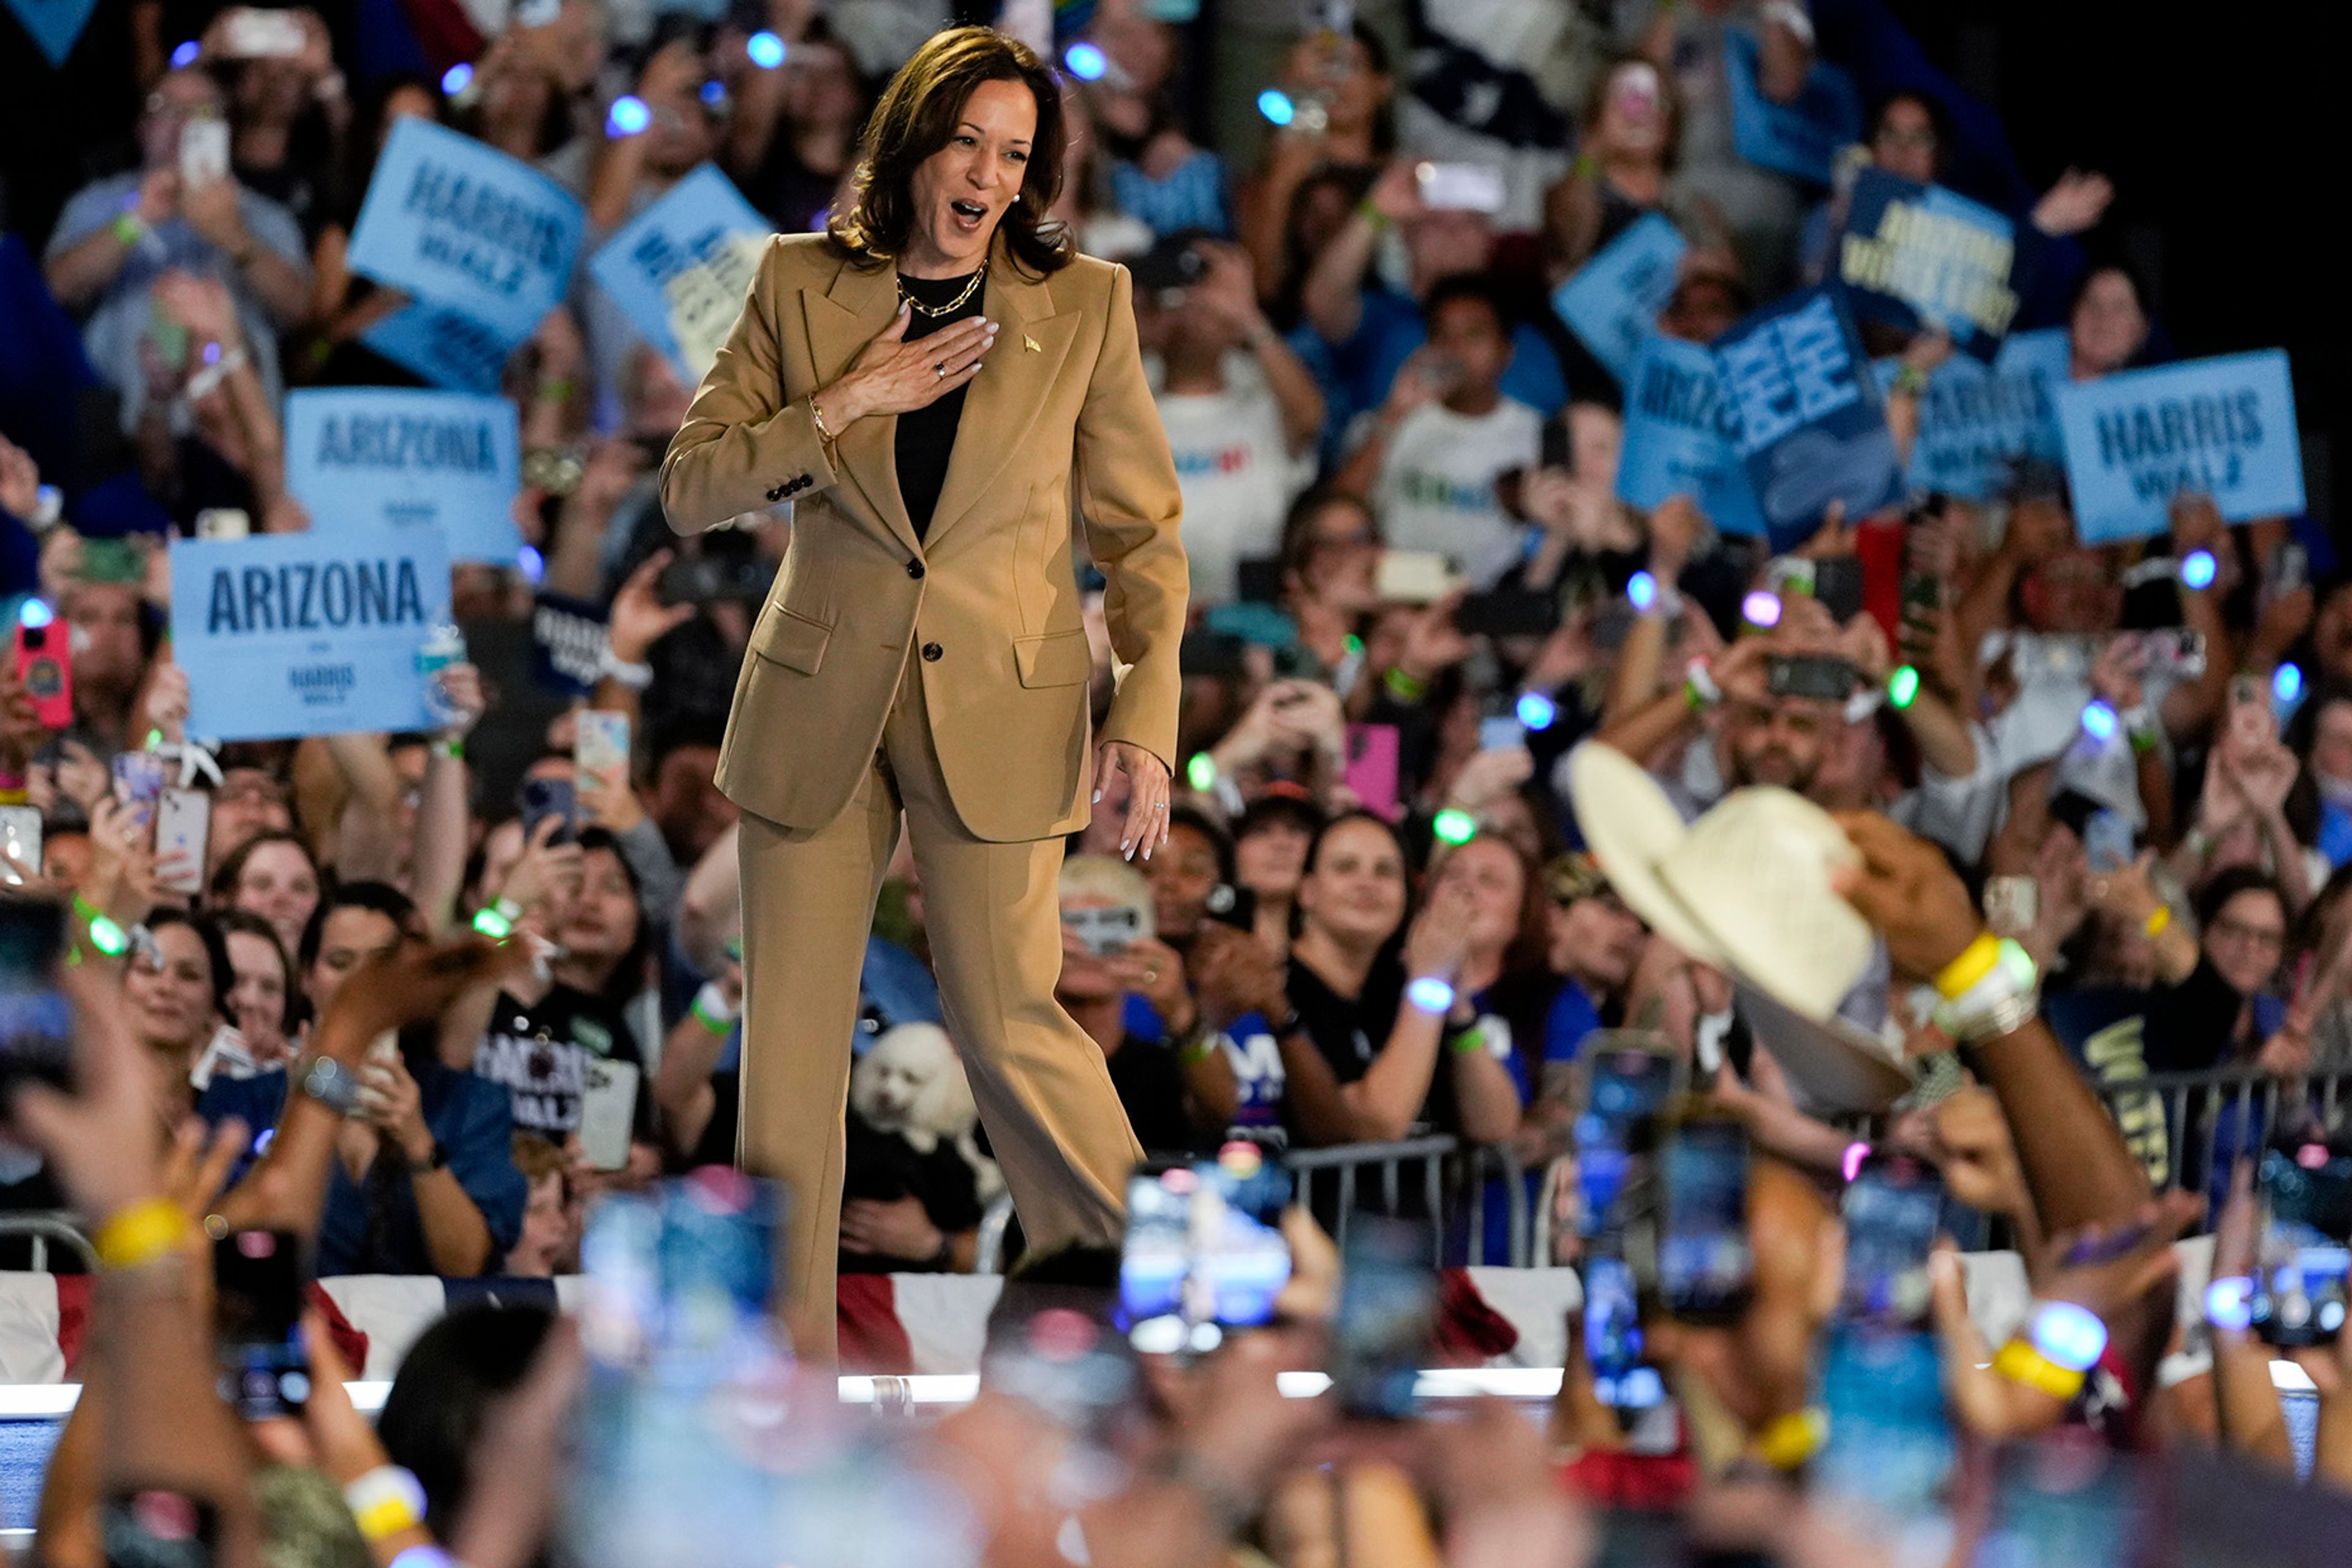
470	1118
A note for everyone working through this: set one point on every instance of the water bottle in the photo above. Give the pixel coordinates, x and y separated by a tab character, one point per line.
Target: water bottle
444	645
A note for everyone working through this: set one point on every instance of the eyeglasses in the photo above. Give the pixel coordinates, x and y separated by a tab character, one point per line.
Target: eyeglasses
2251	936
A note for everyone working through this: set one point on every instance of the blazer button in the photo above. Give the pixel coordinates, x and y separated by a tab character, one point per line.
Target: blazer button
914	567
777	493
933	653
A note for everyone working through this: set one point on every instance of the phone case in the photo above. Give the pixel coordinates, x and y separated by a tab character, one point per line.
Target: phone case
20	835
204	152
608	1113
1371	771
184	820
600	743
44	670
1413	576
139	784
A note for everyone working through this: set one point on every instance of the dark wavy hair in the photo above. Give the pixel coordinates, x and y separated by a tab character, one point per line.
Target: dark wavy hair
918	112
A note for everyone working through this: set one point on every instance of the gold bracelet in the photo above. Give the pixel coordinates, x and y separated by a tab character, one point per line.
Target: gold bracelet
138	1235
816	417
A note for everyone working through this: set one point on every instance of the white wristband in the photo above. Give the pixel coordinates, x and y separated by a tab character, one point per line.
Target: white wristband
635	677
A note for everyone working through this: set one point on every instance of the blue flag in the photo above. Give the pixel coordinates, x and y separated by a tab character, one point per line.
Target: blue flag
363	457
2225	427
1811	428
1801	137
680	269
1916	256
1977	423
463	227
1613	300
307	634
55	24
1678	438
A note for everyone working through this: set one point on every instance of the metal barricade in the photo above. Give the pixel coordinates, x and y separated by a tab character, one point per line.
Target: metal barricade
2187	1130
1438	1178
43	1229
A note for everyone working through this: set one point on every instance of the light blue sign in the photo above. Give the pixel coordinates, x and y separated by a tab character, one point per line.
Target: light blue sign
2225	427
444	345
1979	423
680	269
1678	438
1801	137
362	457
307	634
56	25
1809	426
462	225
1613	300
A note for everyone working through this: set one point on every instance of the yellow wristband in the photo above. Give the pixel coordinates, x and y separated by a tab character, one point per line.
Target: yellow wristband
1976	962
1792	1440
2020	1363
2157	922
137	1236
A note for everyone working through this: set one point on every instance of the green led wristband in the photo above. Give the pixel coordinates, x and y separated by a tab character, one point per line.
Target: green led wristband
492	924
1903	685
1404	688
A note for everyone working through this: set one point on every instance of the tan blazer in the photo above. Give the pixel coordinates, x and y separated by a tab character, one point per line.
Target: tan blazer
987	605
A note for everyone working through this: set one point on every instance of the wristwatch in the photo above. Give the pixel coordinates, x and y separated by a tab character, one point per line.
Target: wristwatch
436	1159
332	1085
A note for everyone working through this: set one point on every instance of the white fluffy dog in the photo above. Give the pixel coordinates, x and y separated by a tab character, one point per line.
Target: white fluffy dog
910	1082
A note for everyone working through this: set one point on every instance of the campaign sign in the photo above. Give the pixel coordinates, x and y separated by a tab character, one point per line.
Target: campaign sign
307	634
1801	137
1679	439
364	456
1809	425
2225	427
680	269
464	226
568	639
1977	423
1916	256
1613	300
55	24
443	344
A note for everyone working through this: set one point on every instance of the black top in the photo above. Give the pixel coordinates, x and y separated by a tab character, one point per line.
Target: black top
927	436
1151	1085
1349	1032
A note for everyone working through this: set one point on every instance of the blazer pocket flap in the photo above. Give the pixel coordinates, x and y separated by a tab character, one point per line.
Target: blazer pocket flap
787	637
1061	660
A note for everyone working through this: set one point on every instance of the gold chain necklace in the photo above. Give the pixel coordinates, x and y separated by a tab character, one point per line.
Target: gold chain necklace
951	307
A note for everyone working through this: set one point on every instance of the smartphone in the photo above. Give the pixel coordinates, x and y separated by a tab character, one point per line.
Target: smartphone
2012	903
600	743
139	784
1387	1312
1155	1256
1217	656
702	579
1612	624
1232	904
1837	584
2288	569
543	798
20	836
254	34
1412	577
1371	773
224	522
1238	1257
1820	675
1891	1446
1105	933
1461	187
2065	1501
45	667
184	820
2178	651
204	152
1553	448
2301	1259
2107	840
1501	732
155	1527
1891	1209
258	1290
1630	1081
36	1022
1508	613
608	1113
1705	1264
1612	1337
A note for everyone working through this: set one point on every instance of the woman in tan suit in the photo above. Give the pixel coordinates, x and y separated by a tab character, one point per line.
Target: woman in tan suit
936	384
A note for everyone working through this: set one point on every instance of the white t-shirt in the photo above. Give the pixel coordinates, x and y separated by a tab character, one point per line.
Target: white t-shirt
1234	466
1436	489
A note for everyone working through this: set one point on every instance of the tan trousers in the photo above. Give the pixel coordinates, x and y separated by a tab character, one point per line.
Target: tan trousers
993	911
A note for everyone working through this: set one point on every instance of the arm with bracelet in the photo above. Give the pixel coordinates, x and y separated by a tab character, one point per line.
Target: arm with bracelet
682	1090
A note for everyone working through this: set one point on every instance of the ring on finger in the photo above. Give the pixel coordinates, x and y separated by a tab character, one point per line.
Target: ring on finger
941	369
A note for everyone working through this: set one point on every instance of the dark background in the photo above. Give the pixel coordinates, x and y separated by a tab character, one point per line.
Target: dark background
2224	128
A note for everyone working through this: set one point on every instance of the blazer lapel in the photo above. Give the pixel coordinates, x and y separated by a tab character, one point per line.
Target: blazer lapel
1004	397
842	321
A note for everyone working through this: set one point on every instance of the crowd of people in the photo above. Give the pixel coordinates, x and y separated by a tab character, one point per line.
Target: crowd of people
429	998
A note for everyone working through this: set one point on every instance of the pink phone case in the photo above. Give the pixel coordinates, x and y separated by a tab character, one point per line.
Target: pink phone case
1371	771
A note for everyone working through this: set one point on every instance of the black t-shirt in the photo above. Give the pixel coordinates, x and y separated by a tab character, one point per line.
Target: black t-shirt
1151	1084
927	436
1350	1032
541	1054
885	1167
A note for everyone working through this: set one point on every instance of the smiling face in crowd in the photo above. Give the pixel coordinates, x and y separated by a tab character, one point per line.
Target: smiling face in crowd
1354	891
258	1000
168	991
279	883
2246	938
352	937
963	191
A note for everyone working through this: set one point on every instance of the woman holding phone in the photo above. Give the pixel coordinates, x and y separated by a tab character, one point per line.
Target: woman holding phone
936	383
